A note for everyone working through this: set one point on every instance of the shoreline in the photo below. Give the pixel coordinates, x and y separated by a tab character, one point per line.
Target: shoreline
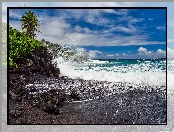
66	105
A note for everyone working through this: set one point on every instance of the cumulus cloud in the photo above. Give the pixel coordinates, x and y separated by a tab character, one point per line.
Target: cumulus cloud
144	51
151	54
117	54
159	51
124	54
141	49
91	53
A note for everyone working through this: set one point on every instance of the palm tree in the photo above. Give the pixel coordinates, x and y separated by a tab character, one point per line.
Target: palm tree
30	24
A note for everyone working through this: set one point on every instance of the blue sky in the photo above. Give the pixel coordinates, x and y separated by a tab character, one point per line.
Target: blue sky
108	33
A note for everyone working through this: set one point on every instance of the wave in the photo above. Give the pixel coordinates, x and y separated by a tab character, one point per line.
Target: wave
95	62
132	73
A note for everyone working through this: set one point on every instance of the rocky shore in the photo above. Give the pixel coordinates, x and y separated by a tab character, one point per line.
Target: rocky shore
39	95
62	100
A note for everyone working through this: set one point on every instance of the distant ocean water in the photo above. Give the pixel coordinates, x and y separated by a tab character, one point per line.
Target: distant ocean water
137	71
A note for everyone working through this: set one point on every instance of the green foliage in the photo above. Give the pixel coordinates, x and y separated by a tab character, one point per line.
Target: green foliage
4	45
58	50
55	49
20	45
30	24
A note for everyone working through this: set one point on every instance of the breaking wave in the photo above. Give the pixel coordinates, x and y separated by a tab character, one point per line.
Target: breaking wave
144	72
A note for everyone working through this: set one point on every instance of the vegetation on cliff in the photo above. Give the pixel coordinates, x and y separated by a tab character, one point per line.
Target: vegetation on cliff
20	45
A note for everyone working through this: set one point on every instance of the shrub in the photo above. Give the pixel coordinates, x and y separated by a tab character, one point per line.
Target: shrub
20	45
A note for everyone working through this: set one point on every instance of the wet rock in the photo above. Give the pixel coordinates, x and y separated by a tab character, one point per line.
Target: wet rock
50	101
53	106
74	96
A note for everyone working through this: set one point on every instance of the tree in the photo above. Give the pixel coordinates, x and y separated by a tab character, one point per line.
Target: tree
30	24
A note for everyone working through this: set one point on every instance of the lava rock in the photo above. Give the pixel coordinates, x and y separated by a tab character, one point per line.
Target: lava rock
38	61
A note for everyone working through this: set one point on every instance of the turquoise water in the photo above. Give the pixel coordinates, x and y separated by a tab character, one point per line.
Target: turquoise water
124	65
144	72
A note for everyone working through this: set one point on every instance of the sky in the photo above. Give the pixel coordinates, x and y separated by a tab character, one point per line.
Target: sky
105	33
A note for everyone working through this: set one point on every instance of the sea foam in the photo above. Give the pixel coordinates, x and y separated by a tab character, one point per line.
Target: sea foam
144	74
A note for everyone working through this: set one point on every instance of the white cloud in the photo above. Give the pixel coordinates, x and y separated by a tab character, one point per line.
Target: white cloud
150	19
163	52
130	29
78	28
135	20
141	49
151	54
117	54
57	30
110	55
144	51
90	53
161	28
14	14
93	53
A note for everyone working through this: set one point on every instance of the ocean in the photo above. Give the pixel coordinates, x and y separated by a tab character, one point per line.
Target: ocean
136	71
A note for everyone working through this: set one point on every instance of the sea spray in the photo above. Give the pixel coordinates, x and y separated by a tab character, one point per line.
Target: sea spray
144	72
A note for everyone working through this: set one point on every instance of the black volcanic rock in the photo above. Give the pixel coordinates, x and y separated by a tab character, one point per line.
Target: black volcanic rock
38	61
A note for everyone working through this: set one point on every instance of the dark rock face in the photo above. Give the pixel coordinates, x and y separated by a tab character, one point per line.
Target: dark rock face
39	61
52	101
22	104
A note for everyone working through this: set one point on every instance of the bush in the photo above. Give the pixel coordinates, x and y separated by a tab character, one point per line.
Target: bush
20	45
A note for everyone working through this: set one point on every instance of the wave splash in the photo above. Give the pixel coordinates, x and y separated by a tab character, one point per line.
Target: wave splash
137	72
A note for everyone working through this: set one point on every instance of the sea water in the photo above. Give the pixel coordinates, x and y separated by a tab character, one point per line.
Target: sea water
149	72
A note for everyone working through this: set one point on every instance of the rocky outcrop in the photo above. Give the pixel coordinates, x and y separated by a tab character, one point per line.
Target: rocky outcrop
38	62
